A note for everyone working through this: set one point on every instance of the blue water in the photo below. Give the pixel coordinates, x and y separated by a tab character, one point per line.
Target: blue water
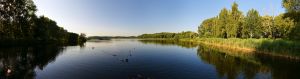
136	59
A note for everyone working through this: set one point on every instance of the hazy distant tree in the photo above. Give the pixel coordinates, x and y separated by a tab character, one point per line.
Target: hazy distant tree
82	38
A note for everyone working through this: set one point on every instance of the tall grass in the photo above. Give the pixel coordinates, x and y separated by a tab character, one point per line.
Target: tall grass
276	47
280	46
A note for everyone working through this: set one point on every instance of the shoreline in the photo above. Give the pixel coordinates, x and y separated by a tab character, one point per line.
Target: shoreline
288	54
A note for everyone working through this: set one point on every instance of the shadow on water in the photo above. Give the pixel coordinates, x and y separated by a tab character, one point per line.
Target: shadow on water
21	62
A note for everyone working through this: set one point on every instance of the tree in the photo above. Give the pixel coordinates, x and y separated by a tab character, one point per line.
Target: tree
267	26
208	28
223	23
187	34
293	12
82	38
235	22
252	25
16	19
227	25
283	27
17	14
291	5
73	38
18	22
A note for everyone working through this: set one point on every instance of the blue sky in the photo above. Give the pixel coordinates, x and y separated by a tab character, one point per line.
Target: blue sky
135	17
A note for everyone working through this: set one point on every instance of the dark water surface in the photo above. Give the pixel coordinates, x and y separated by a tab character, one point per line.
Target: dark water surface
140	59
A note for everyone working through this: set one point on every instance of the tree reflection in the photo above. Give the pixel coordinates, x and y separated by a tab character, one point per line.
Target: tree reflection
22	61
170	42
232	66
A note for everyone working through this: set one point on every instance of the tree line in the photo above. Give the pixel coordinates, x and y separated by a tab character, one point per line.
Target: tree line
184	34
18	22
233	24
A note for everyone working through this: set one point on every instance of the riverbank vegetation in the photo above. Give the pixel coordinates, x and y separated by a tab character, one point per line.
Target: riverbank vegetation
19	25
268	46
233	24
168	35
110	37
231	28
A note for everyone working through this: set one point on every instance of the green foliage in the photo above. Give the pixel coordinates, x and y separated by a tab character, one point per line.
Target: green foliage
293	12
291	5
15	18
158	35
208	28
18	22
283	27
252	25
233	24
223	23
267	45
228	24
267	26
187	34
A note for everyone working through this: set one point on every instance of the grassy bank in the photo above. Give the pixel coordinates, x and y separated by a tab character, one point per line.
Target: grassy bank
278	47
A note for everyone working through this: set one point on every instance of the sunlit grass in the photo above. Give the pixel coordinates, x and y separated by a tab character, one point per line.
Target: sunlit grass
263	45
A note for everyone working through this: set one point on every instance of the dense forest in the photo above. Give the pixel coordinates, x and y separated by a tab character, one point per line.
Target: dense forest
234	24
18	22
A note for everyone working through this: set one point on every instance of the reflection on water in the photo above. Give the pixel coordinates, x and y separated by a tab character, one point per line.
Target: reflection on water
234	65
170	43
140	59
250	66
20	62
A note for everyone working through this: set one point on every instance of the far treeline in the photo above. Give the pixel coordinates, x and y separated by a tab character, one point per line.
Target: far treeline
233	24
109	37
20	24
187	34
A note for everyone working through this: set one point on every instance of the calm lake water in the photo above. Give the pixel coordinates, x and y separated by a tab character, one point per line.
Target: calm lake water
140	59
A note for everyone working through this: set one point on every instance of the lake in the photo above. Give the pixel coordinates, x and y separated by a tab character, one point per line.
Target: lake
140	59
